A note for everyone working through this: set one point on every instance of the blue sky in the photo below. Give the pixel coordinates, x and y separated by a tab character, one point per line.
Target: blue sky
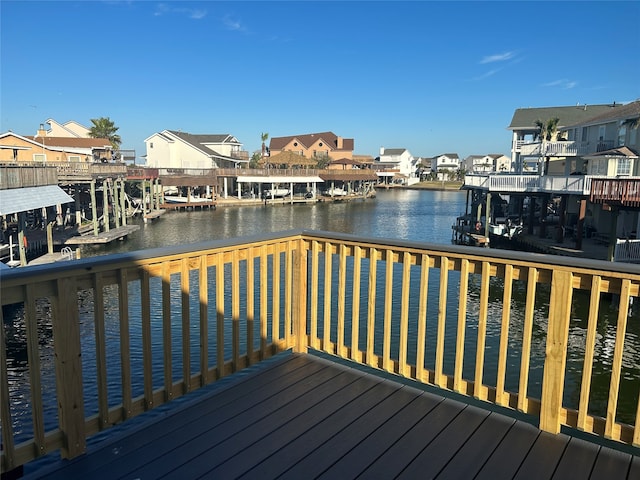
432	77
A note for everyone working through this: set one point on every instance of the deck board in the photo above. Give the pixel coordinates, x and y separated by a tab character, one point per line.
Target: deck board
300	416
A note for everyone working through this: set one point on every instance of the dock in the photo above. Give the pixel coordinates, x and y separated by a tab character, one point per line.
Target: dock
102	237
302	416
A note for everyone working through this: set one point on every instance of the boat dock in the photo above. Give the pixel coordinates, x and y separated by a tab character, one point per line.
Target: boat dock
102	237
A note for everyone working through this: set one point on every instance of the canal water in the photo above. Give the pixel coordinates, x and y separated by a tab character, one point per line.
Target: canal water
416	215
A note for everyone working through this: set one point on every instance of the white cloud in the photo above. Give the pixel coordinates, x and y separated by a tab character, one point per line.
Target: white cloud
233	24
500	57
165	9
488	74
561	83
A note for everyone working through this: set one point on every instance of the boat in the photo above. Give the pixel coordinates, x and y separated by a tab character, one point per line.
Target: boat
181	199
335	192
275	193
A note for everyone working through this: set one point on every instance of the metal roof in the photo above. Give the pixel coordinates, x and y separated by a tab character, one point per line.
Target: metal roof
16	200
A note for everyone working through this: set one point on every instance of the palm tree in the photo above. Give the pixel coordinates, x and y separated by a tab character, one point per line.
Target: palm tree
105	128
263	137
547	131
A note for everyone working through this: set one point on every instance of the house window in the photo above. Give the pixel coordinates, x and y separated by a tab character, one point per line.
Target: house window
150	144
585	134
624	166
599	167
622	134
39	157
601	132
74	158
295	144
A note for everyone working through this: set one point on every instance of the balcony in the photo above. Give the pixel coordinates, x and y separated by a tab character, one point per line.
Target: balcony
144	329
562	148
513	183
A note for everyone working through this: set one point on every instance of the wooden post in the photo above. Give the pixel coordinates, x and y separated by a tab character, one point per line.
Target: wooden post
66	344
300	297
50	237
22	248
122	203
613	233
116	204
556	351
105	203
487	216
580	225
94	208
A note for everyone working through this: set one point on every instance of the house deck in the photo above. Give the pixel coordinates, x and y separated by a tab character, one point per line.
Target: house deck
301	416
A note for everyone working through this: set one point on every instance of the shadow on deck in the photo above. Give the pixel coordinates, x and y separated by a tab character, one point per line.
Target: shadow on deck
301	416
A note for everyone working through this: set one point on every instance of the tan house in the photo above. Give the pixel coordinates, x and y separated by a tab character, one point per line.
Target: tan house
314	145
67	129
43	148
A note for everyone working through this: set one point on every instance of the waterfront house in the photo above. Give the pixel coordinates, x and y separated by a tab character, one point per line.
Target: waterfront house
525	141
314	145
44	148
590	180
396	164
171	149
491	163
444	165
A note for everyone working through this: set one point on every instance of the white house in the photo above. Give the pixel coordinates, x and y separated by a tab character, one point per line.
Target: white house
175	149
396	161
445	164
69	129
492	163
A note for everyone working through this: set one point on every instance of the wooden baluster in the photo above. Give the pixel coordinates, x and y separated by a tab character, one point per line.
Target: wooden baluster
68	361
556	350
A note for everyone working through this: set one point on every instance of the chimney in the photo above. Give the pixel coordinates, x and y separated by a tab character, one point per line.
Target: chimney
381	151
41	131
340	144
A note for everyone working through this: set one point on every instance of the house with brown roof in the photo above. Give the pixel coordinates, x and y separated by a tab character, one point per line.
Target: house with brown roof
314	145
176	149
44	148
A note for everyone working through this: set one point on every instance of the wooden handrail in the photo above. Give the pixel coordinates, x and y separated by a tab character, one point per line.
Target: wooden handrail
251	298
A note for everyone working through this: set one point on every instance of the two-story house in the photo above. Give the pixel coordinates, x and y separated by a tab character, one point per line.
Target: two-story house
445	165
526	145
587	176
171	149
42	148
492	163
324	145
396	162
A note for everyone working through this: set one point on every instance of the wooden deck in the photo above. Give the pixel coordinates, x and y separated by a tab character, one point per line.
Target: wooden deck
301	416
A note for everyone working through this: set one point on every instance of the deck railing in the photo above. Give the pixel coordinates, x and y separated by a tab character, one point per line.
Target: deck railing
130	332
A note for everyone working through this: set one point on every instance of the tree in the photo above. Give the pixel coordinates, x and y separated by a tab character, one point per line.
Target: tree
105	128
264	137
255	160
547	131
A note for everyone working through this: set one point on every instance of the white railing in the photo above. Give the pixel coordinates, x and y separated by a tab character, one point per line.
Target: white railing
568	184
480	181
561	148
575	184
514	183
627	251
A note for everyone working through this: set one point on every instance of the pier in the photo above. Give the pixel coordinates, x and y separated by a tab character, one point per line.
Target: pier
390	393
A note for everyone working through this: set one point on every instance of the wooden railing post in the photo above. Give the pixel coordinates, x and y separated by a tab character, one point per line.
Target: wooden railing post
68	362
556	351
300	297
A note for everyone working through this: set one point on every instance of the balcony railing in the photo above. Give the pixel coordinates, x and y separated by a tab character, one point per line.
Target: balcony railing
562	148
616	191
132	331
558	184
